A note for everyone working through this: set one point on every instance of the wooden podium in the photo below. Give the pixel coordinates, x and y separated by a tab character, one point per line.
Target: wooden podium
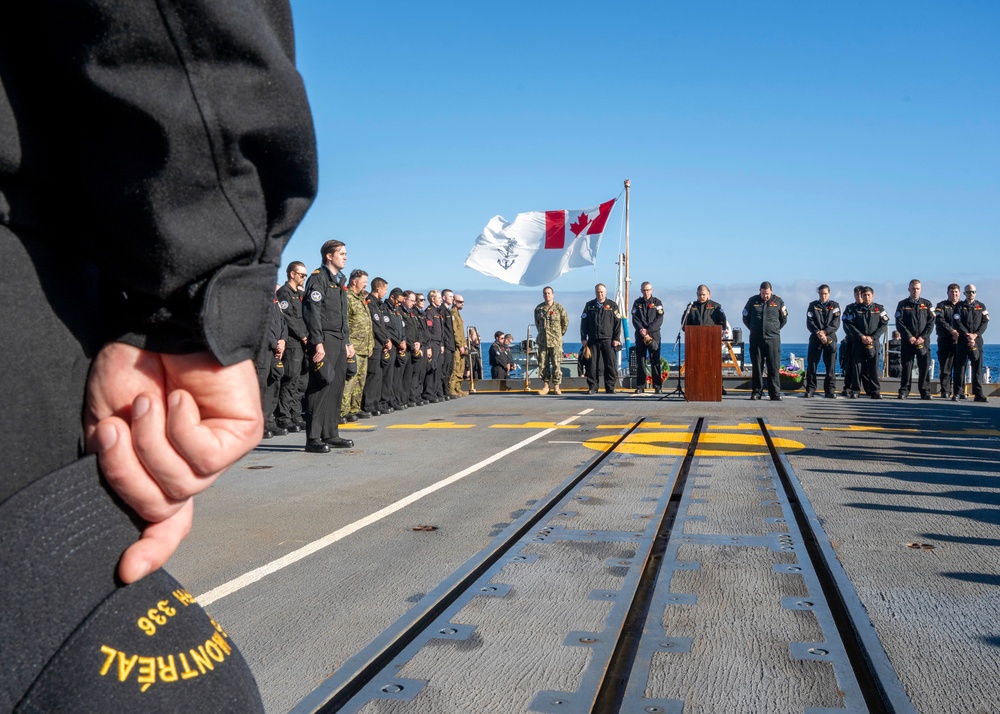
703	363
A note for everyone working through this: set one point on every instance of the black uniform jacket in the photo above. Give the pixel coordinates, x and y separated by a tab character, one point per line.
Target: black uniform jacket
971	318
601	321
447	328
380	321
944	318
823	316
324	306
765	318
706	313
290	304
648	315
159	166
498	356
914	318
866	320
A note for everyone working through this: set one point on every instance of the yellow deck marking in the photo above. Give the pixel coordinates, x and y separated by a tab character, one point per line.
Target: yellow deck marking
354	426
535	425
645	425
754	427
675	444
432	425
854	427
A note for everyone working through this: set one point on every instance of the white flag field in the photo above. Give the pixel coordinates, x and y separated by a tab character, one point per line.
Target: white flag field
537	247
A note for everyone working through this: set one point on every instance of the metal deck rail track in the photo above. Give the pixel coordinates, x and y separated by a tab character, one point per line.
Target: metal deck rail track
616	681
359	670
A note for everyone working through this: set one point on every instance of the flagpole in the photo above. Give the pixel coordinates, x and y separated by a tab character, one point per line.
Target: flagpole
628	276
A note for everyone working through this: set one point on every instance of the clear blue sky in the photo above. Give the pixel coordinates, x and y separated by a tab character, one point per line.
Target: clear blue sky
796	142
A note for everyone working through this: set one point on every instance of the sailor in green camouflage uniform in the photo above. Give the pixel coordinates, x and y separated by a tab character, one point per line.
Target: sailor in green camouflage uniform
551	321
359	325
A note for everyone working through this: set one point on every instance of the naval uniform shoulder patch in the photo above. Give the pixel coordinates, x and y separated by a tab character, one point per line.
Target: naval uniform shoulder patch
745	312
316	296
283	304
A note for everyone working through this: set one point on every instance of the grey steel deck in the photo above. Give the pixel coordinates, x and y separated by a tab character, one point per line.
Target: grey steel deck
736	630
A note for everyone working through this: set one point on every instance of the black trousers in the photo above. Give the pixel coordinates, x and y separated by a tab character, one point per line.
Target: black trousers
417	379
432	372
847	366
323	399
372	394
963	356
447	366
656	371
389	398
605	351
269	388
908	353
946	362
765	353
497	372
828	353
293	384
865	364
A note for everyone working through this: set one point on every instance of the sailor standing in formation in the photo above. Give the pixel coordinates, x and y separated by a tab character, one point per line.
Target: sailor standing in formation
765	315
647	318
970	319
915	322
866	324
324	310
822	321
947	337
601	331
551	321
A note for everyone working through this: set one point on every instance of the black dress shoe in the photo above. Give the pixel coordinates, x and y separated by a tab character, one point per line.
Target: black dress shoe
657	390
591	391
351	417
639	390
962	396
925	396
903	394
831	395
388	410
754	395
876	395
317	447
268	434
944	395
411	404
609	390
294	429
338	443
279	431
775	397
364	415
980	398
809	394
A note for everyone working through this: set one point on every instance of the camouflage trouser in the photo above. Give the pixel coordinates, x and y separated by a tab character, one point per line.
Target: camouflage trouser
457	373
354	388
550	364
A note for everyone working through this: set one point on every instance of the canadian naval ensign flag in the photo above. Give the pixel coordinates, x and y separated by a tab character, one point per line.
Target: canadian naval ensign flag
537	247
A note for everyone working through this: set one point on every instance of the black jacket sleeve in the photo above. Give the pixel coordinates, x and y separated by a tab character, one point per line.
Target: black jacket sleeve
189	156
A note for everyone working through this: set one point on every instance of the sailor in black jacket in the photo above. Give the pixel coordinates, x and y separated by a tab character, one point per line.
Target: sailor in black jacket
947	337
971	319
822	321
324	309
601	330
866	323
915	322
765	315
296	373
647	318
144	227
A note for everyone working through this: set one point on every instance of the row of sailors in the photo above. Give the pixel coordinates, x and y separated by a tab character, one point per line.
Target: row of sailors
337	353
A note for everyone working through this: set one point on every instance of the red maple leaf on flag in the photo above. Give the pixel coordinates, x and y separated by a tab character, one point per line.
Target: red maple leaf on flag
579	224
